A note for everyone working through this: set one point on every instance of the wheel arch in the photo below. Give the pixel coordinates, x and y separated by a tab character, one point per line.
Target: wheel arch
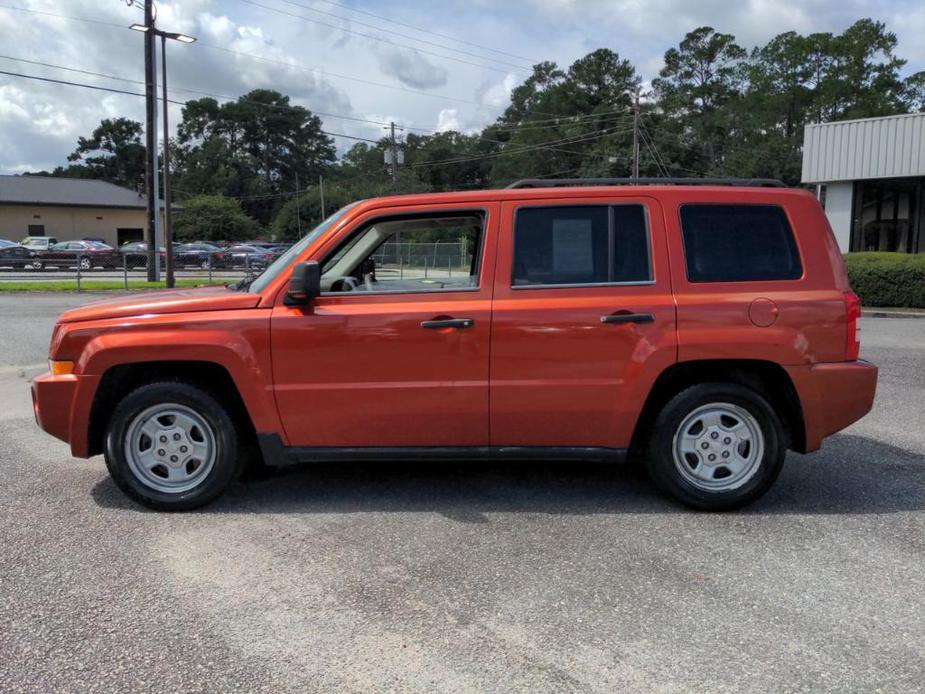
767	378
119	380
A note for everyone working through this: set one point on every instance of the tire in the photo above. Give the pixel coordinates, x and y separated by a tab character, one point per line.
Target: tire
84	264
209	440
204	265
37	265
733	424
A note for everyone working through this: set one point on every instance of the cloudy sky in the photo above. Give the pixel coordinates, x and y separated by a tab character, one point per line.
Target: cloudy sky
438	64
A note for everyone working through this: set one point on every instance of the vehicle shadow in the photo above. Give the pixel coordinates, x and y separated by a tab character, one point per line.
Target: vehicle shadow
851	475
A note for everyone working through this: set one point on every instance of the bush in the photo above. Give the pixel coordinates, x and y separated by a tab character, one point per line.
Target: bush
888	279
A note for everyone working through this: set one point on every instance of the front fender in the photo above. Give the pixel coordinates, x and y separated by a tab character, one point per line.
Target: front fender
238	341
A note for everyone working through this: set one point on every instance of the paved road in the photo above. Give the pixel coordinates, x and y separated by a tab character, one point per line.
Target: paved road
468	577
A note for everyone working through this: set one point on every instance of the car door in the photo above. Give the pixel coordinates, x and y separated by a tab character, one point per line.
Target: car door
583	320
58	255
395	351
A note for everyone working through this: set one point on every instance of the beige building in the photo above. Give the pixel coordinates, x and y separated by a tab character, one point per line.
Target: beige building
70	208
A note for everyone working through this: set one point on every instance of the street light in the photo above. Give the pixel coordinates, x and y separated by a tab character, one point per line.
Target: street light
168	211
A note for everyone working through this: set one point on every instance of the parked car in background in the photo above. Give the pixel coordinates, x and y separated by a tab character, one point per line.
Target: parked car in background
94	238
15	255
134	254
251	257
83	254
202	255
39	243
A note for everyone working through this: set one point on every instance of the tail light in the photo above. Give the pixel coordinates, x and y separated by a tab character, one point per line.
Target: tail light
852	314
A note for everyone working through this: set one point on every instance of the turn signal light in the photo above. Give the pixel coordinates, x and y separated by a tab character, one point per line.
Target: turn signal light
60	368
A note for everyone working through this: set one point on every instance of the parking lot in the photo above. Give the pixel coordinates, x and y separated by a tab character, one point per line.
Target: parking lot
454	577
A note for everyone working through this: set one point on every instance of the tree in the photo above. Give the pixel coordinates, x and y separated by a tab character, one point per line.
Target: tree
256	147
700	79
113	152
306	209
213	218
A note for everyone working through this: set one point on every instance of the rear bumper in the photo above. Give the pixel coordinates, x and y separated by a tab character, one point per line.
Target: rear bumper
62	407
833	396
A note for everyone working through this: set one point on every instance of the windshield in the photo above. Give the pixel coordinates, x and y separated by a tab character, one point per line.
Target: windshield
286	258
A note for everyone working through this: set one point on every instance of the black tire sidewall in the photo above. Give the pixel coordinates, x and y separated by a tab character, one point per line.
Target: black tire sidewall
660	458
228	458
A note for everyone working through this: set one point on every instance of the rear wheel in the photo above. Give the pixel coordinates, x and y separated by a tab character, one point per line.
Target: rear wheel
172	446
85	264
36	265
716	446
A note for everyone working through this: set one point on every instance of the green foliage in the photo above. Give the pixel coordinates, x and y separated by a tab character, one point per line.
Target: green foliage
302	213
257	148
113	152
213	218
888	279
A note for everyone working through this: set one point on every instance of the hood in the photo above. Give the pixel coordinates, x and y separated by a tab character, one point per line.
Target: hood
217	298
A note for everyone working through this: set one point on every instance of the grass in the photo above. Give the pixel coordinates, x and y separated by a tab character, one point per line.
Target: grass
93	285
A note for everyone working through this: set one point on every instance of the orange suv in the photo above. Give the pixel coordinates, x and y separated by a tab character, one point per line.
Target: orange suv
706	325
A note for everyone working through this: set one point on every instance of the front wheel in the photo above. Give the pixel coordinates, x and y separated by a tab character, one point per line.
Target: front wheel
172	447
716	446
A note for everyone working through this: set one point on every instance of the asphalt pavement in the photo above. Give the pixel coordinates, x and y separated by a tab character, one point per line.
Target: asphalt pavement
466	577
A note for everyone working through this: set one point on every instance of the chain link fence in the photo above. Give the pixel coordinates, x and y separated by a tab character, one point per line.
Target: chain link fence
84	270
416	259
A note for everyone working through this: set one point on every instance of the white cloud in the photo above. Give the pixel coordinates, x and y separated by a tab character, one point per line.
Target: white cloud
448	119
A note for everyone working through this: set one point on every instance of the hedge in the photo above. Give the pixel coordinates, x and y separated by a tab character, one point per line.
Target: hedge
888	279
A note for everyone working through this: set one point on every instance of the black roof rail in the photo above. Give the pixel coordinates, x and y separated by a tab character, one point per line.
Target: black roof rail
566	182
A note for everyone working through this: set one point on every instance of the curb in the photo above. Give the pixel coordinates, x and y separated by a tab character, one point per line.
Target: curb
890	313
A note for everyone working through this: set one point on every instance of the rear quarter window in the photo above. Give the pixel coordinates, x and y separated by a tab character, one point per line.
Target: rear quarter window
738	243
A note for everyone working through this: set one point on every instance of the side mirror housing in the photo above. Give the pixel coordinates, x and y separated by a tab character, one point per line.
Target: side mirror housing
304	283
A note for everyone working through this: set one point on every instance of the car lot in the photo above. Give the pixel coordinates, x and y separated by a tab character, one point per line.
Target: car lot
467	576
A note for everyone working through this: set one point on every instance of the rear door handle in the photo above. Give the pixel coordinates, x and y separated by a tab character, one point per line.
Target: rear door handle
448	323
628	318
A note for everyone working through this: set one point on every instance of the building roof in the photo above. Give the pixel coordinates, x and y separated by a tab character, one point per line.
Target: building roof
889	147
71	192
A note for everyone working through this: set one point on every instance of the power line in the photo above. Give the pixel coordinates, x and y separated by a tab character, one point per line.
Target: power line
395	33
260	103
368	36
128	93
518	150
288	64
424	31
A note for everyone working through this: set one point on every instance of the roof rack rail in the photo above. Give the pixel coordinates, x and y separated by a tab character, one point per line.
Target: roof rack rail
565	182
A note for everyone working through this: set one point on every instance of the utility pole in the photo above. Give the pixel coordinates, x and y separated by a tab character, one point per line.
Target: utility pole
324	214
298	207
394	148
636	134
151	187
168	213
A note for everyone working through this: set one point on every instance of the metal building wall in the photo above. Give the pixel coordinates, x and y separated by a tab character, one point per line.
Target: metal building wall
891	147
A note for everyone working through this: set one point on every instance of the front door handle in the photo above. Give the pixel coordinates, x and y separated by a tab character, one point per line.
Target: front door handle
448	323
628	318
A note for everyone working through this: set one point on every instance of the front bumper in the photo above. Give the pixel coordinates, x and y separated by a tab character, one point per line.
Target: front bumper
833	396
62	407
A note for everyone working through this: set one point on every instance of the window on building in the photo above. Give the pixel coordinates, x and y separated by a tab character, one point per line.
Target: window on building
589	244
886	215
738	243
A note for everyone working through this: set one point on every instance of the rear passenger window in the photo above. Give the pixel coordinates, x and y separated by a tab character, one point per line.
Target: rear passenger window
589	244
738	243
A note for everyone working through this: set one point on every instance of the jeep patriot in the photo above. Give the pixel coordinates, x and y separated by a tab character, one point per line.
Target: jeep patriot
706	329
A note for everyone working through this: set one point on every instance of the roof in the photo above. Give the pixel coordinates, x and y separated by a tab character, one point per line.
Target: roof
72	192
851	150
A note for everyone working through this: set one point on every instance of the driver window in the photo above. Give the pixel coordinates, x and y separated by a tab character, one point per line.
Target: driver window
420	254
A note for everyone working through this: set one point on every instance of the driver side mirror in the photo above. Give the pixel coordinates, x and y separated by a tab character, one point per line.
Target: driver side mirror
304	283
